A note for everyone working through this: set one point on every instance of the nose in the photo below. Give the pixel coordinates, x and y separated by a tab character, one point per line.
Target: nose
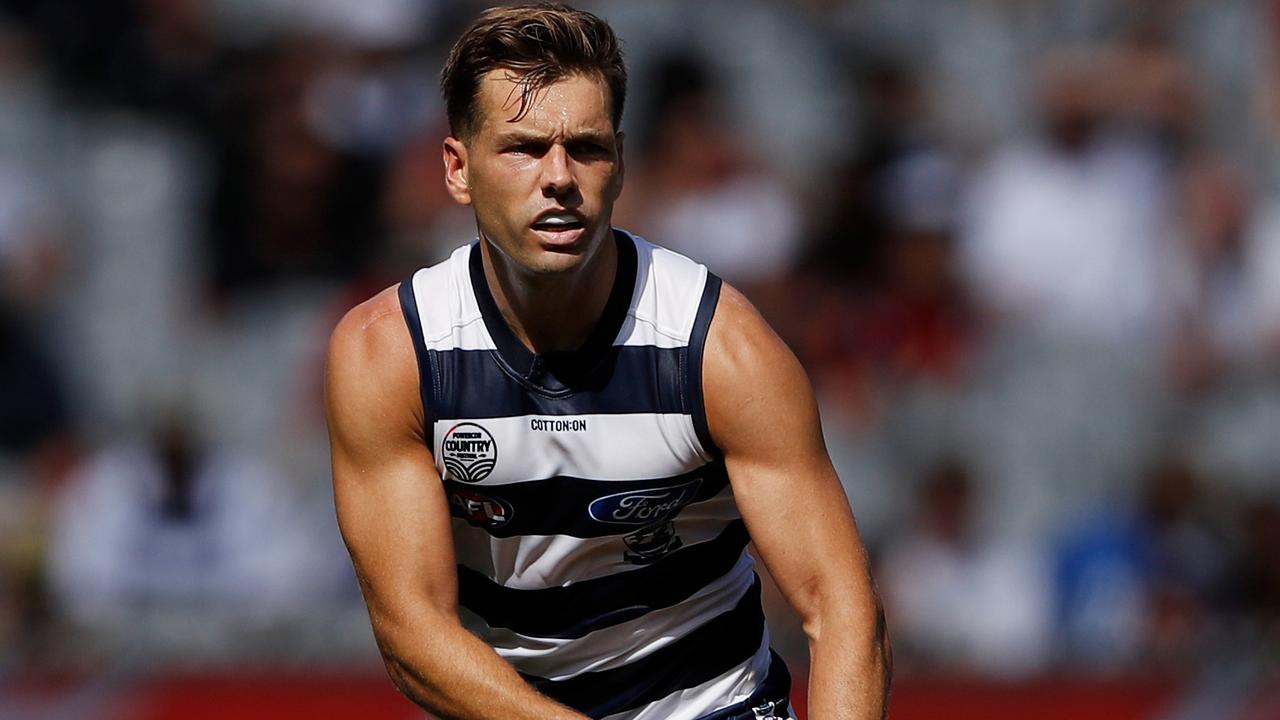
557	174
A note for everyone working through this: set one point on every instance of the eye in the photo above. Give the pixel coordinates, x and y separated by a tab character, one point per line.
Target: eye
587	149
532	148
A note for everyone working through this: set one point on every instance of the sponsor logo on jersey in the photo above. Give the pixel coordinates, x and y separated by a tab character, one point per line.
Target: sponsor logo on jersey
558	424
644	507
651	544
469	453
480	510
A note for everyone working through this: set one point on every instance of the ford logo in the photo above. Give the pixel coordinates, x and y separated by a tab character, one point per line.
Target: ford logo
644	507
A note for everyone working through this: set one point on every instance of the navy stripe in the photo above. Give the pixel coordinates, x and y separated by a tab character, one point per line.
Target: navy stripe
409	306
628	379
713	649
697	345
579	507
573	610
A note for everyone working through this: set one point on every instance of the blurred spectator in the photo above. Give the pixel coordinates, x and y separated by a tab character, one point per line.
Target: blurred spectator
1264	267
35	407
289	203
1066	231
960	602
1221	326
164	523
24	608
918	322
158	55
1144	585
695	188
848	240
909	324
1255	577
423	223
1065	246
1225	353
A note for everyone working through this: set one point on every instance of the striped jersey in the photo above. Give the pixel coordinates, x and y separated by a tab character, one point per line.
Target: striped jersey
599	548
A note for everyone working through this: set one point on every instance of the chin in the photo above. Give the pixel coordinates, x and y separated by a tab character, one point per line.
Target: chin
543	256
554	262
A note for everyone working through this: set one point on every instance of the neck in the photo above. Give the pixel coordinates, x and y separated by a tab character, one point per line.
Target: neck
551	312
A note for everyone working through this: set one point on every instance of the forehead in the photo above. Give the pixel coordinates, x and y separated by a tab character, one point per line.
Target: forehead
575	102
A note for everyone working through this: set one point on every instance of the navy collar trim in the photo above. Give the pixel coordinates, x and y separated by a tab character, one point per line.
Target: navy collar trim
557	372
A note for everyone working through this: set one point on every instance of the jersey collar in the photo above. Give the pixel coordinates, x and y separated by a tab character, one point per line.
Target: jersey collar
558	372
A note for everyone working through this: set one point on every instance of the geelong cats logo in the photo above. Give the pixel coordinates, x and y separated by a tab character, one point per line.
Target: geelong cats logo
652	509
469	453
651	544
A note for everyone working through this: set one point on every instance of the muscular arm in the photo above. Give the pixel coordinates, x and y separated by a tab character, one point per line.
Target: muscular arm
761	412
395	520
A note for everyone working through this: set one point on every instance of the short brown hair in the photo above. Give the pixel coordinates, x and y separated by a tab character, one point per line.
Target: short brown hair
541	44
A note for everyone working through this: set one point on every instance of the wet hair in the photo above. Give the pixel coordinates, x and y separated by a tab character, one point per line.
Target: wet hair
539	45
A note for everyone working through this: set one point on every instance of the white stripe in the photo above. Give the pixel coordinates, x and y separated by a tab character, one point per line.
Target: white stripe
636	446
535	562
607	648
471	334
643	331
723	691
447	305
669	288
662	311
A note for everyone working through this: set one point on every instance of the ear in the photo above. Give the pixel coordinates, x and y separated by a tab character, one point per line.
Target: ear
456	169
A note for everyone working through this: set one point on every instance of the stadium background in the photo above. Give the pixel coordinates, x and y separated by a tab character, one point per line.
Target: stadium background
1028	250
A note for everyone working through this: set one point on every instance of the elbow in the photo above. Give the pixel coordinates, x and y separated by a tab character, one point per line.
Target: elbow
850	612
400	671
400	675
413	683
408	666
879	654
853	619
883	646
422	690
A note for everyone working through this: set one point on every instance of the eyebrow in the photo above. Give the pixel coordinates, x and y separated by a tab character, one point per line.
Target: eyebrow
522	136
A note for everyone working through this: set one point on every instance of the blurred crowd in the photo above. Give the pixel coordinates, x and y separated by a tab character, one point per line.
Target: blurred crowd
1029	251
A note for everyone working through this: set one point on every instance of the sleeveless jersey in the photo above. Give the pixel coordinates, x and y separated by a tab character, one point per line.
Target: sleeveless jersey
598	544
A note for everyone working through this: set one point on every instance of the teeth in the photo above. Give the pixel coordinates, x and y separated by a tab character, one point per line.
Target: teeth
564	219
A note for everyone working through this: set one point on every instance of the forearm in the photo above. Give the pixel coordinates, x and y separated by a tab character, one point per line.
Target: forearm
455	675
851	667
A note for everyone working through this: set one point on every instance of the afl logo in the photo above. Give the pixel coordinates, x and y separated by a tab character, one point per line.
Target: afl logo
480	510
469	453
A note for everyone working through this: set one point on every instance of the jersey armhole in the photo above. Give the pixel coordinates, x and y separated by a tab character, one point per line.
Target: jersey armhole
409	306
697	346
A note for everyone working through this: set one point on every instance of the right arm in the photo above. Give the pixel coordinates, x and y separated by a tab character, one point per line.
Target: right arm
395	520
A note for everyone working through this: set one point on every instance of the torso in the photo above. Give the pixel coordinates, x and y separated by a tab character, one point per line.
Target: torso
599	547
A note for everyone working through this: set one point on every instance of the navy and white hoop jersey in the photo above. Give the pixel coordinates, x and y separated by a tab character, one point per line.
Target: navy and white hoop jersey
599	547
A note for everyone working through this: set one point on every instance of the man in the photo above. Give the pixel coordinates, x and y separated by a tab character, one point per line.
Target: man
560	437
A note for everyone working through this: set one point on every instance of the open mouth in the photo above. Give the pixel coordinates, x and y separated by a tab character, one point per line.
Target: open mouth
558	222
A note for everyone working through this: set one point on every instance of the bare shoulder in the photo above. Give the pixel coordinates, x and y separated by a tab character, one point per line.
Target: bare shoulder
371	371
744	357
749	373
373	331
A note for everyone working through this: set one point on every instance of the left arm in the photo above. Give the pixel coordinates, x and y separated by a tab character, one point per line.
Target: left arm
762	413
